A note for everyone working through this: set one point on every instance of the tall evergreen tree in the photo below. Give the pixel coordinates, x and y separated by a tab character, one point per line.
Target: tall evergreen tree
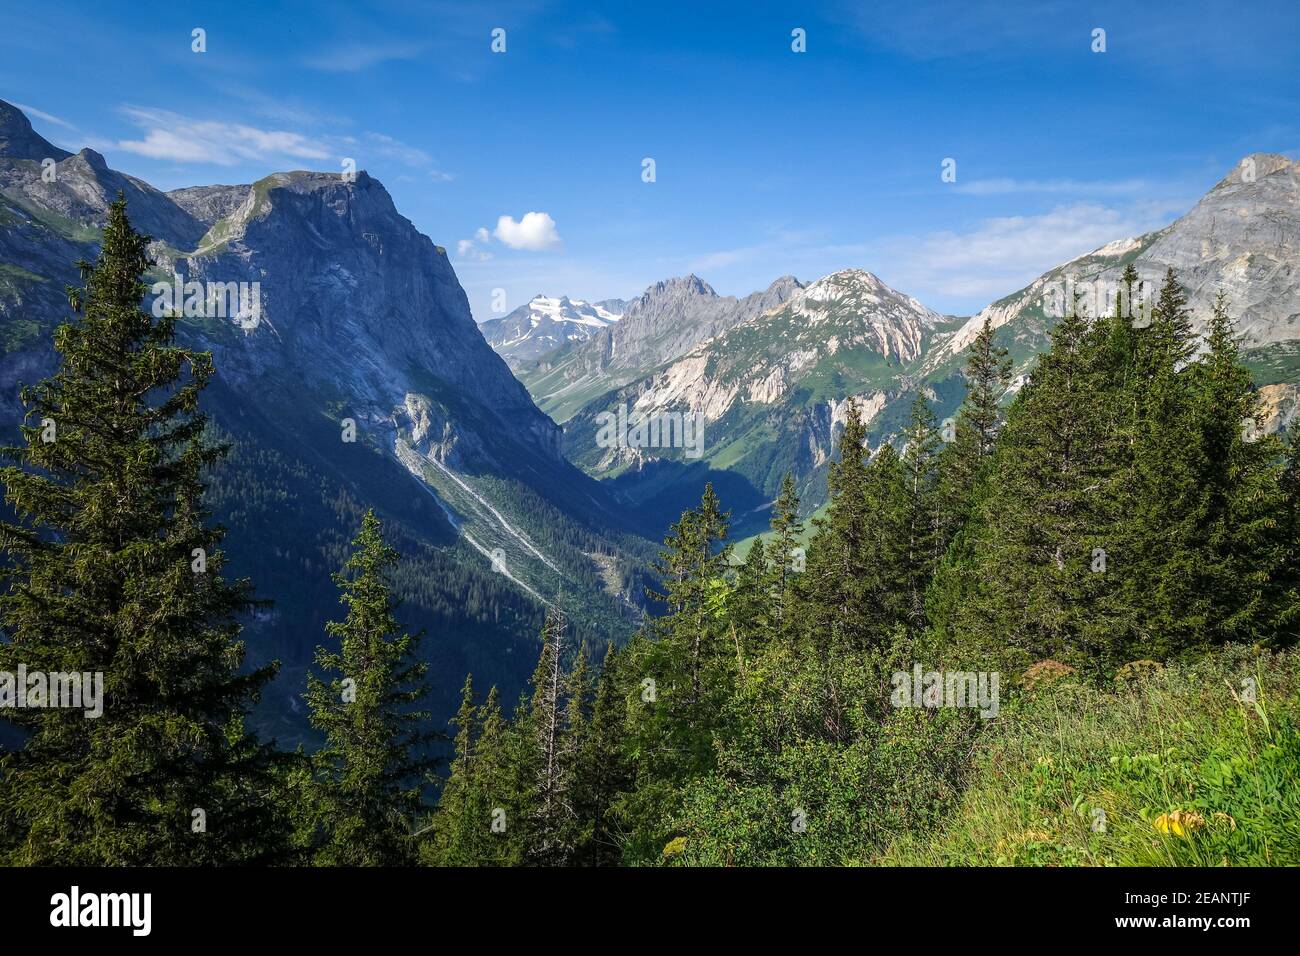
973	432
602	770
840	593
548	728
1286	584
1039	586
788	556
1166	503
1242	495
887	559
370	771
751	603
110	568
503	781
686	665
460	833
921	517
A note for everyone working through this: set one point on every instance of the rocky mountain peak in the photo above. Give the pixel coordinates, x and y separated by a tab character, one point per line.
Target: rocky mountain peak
856	296
678	285
546	323
93	159
19	141
1254	167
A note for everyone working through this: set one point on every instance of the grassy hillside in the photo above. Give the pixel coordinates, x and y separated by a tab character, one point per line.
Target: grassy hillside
1176	768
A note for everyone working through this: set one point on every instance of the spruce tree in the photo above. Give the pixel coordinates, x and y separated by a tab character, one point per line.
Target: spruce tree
887	558
503	807
686	663
691	566
921	518
787	557
370	771
751	604
1167	503
111	568
1285	587
602	771
1039	585
579	806
483	810
459	833
1241	493
840	591
974	430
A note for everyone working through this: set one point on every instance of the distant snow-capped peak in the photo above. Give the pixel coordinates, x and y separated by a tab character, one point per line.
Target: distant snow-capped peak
565	309
545	323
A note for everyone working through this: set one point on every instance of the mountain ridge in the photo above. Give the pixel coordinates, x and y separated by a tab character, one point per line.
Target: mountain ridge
1243	236
359	376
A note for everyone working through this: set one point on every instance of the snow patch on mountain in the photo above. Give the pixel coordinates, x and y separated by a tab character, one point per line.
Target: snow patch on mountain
546	323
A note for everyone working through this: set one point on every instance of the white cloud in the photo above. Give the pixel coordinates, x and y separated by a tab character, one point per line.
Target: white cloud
174	137
1003	254
535	232
472	248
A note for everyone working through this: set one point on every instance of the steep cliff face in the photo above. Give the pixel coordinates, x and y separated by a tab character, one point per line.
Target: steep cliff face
351	298
350	372
354	300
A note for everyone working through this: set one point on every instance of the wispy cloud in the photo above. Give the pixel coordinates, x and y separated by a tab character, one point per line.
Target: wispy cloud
955	29
171	136
1078	187
168	135
1003	254
384	145
41	114
472	249
781	244
355	57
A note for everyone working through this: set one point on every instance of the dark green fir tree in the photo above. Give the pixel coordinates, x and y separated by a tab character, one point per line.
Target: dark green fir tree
371	770
112	572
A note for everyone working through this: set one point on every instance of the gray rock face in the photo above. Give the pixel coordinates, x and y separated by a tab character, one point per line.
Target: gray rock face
354	298
1243	237
79	187
354	303
19	141
672	317
663	323
209	204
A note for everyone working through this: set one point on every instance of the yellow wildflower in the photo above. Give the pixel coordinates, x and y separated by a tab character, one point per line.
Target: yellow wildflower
1179	822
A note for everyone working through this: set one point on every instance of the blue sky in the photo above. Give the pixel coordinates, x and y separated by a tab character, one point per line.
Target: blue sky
767	161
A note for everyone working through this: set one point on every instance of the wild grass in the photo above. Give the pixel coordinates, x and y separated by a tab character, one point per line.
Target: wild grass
1192	765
